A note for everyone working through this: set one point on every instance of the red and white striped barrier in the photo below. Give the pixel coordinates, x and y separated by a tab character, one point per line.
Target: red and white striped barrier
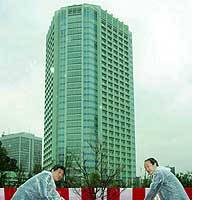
85	193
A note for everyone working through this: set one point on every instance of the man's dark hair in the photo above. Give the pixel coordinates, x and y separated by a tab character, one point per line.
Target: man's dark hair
54	168
152	161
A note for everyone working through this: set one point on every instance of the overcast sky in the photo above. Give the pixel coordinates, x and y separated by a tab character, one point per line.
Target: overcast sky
162	71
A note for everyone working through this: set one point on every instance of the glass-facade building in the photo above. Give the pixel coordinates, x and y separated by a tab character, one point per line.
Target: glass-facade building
26	148
89	88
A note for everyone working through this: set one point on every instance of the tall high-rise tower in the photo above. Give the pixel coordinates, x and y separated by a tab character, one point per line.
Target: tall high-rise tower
89	88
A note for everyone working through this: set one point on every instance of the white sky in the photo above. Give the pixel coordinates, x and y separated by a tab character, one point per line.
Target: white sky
195	100
162	71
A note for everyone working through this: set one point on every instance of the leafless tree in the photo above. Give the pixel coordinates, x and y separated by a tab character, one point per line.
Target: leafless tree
100	177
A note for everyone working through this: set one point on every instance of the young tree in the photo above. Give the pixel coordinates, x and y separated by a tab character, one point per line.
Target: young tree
71	180
98	178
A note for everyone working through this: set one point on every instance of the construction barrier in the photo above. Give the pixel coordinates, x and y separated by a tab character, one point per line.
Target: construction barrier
85	193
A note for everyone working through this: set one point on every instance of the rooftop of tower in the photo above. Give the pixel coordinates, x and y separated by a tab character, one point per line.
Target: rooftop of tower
97	7
89	5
